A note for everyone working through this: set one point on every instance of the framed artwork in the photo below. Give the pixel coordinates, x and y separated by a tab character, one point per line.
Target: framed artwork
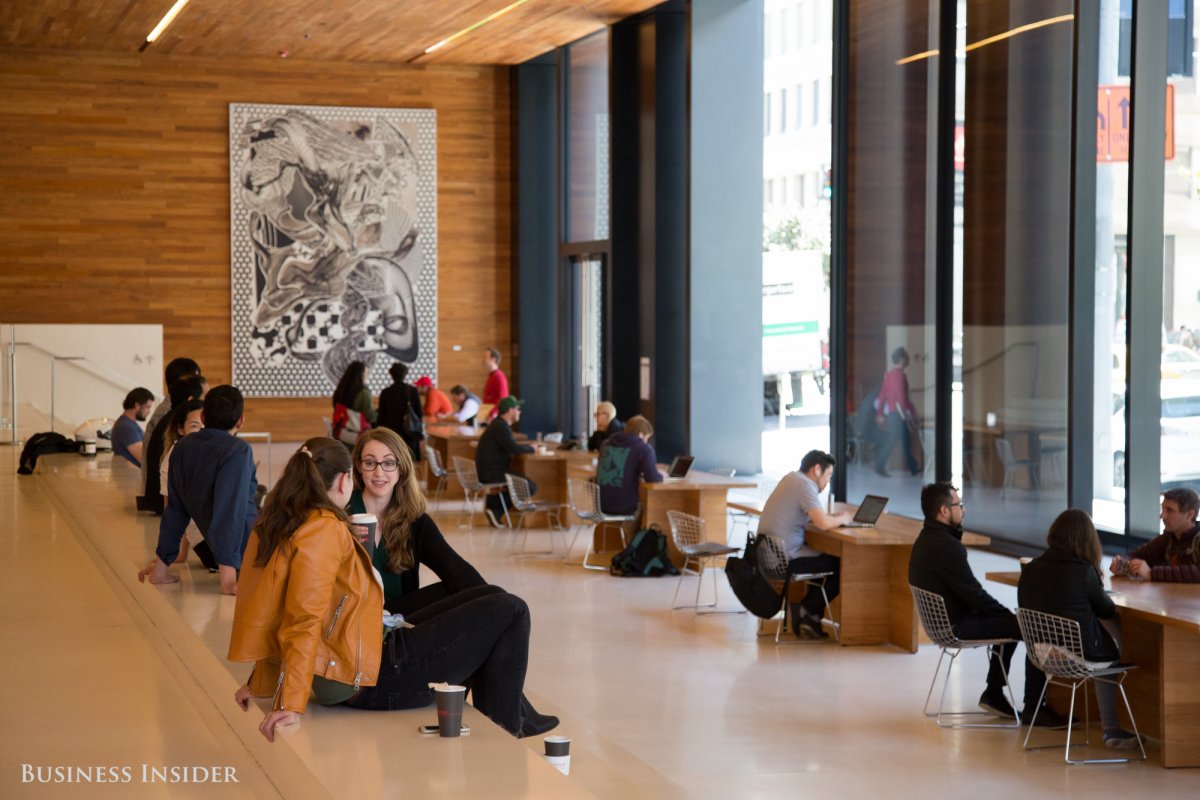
333	217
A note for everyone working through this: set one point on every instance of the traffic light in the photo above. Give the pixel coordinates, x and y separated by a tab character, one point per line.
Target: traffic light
827	184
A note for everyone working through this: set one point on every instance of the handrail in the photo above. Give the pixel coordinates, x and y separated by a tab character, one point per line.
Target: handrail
121	381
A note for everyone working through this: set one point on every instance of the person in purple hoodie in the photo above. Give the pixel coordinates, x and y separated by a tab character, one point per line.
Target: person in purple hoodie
624	457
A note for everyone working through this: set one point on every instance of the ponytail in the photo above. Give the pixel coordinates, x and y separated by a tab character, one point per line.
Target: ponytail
302	489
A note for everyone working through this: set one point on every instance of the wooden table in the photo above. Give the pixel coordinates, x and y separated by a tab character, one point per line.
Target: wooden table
1160	632
701	494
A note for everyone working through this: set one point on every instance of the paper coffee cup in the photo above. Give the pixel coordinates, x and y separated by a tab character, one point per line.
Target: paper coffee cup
450	700
89	448
363	526
558	753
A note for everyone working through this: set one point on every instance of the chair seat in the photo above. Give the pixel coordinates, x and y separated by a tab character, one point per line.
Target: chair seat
809	576
615	517
539	505
708	549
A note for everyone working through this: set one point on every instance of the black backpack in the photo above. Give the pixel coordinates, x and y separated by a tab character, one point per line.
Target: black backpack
645	557
753	590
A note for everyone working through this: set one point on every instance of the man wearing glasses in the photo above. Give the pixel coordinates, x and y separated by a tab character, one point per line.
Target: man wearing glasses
938	564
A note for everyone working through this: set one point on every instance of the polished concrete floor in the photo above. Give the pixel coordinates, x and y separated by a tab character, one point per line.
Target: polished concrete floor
692	706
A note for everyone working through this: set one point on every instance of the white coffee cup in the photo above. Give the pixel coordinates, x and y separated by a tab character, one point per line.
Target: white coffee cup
558	753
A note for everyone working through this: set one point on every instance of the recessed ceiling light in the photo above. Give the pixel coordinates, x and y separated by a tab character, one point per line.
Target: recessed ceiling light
167	19
473	26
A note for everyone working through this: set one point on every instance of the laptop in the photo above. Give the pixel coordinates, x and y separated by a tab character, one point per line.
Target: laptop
868	512
680	468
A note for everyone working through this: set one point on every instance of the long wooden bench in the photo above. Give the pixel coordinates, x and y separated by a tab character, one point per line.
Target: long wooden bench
335	752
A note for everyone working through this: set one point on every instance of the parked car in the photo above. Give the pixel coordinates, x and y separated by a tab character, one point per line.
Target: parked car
1180	420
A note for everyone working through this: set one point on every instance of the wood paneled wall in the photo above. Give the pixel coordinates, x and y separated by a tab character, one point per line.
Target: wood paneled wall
114	173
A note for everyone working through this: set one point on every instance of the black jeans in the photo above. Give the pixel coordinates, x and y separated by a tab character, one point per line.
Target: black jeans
1002	626
813	603
478	638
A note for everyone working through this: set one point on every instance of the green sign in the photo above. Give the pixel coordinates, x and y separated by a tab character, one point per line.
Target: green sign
789	328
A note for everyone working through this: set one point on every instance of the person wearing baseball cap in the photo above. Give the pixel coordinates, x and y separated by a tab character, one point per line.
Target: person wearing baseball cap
493	457
436	402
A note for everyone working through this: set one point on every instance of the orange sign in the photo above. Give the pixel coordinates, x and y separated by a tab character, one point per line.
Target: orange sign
1112	123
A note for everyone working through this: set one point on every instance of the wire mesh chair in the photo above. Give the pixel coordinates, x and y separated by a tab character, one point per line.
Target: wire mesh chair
433	460
1056	648
931	608
773	564
1012	465
524	504
688	533
584	499
475	491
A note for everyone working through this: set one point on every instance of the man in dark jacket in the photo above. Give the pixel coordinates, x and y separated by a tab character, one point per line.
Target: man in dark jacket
624	458
1174	555
493	458
939	564
213	482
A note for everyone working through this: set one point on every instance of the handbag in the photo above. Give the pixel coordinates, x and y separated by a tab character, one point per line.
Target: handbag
752	589
414	425
348	424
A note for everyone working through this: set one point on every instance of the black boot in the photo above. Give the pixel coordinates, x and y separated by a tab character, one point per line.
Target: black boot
533	723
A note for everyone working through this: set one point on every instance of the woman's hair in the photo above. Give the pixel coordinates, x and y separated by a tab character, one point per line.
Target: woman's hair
1074	532
607	408
190	387
353	381
407	501
398	371
179	416
303	488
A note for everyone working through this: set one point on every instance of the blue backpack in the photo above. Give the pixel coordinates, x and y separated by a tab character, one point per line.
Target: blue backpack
645	557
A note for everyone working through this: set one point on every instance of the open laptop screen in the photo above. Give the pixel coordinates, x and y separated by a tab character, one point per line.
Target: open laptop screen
870	509
680	466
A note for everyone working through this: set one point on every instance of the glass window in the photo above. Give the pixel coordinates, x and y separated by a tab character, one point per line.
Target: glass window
783	110
1012	262
816	102
767	114
799	106
587	139
768	37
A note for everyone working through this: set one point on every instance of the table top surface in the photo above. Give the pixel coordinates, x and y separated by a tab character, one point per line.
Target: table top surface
460	432
1168	603
890	529
697	479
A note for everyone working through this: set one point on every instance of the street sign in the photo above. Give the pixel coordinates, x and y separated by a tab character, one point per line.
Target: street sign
1112	123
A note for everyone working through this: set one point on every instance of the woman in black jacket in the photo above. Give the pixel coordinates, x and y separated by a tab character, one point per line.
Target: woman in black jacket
385	484
1066	581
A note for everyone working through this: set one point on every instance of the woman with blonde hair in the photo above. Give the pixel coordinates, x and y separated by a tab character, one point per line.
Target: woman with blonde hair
310	615
1066	581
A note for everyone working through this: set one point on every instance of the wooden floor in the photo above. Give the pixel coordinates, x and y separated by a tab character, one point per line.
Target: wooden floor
676	705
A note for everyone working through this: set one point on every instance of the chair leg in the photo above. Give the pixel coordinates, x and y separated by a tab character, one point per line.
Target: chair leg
1129	711
591	549
679	583
1033	720
933	683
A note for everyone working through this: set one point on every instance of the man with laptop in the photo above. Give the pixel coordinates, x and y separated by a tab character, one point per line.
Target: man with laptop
792	507
626	457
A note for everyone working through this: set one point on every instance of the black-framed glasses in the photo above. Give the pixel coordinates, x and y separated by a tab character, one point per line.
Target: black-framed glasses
371	465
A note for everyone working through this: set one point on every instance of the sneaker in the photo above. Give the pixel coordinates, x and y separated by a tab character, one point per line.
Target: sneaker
1120	739
810	627
996	704
1047	717
491	518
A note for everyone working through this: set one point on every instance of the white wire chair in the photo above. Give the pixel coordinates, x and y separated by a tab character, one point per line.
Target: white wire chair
688	533
584	500
474	491
1056	648
773	564
524	504
433	461
931	608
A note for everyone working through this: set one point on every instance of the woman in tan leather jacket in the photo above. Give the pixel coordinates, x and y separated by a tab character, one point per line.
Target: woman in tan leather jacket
309	614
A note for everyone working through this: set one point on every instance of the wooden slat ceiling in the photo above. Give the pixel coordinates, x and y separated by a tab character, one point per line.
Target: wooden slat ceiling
390	31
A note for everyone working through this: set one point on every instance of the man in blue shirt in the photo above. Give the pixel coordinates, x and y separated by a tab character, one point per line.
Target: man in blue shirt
127	435
212	480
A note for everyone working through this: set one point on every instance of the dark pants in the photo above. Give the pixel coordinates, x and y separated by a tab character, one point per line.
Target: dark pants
813	603
895	430
1002	626
493	501
478	637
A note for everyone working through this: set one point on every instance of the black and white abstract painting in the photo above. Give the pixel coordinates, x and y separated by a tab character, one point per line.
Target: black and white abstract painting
334	244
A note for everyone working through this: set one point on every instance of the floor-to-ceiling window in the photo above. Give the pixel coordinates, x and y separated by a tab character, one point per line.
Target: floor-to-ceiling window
797	163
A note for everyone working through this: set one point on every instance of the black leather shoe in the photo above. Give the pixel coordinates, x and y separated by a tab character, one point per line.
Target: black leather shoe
538	724
1047	717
